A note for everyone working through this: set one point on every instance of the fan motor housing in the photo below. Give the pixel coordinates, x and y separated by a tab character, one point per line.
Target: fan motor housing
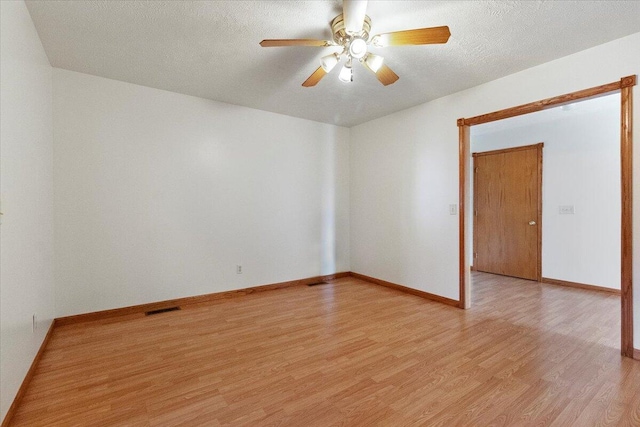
340	35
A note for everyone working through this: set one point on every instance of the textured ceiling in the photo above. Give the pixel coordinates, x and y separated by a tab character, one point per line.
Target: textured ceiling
210	48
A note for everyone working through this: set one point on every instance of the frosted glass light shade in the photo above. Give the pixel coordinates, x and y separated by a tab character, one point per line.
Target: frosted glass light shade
329	61
346	74
374	62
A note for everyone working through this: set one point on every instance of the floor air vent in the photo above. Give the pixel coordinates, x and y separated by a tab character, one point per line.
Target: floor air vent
318	283
161	310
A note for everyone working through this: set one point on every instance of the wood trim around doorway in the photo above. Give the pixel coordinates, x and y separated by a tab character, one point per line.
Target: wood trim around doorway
625	86
567	98
464	147
626	166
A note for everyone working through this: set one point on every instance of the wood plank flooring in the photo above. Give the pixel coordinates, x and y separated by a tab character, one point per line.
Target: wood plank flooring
347	353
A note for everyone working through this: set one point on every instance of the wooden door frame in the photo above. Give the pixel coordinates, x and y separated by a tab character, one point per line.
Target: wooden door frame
625	86
538	147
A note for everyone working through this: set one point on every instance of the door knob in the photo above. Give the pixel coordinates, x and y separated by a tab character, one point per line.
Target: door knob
532	223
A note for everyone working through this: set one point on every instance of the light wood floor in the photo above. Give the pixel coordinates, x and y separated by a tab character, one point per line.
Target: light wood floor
347	353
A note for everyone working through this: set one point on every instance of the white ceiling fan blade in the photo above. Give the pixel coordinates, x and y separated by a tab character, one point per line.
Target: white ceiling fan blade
353	12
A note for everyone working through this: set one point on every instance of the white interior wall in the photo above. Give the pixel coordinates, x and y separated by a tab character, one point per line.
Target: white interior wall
404	170
160	195
403	178
26	189
581	168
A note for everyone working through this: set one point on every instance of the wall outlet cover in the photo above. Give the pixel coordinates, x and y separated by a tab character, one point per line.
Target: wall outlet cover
567	210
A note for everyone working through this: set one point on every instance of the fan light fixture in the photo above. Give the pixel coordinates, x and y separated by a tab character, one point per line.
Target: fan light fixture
346	74
374	62
357	47
329	61
352	33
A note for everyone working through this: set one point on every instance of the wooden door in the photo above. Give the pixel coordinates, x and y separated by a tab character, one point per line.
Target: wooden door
507	195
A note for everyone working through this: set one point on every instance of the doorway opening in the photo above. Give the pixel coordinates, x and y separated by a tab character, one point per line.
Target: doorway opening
624	87
566	206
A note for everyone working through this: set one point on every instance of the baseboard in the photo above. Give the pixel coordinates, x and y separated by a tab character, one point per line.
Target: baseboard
549	281
472	268
140	309
636	354
27	378
423	294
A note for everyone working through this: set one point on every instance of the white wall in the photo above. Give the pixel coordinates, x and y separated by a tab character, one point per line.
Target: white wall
160	195
403	178
404	170
581	168
26	188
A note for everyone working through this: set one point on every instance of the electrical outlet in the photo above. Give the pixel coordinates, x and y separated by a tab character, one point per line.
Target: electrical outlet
453	209
567	210
34	323
238	269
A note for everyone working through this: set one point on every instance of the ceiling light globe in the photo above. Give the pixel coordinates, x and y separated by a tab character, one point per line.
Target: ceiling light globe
346	74
329	61
357	48
374	62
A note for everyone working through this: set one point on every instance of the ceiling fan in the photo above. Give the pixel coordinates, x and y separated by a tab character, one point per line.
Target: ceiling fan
351	31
